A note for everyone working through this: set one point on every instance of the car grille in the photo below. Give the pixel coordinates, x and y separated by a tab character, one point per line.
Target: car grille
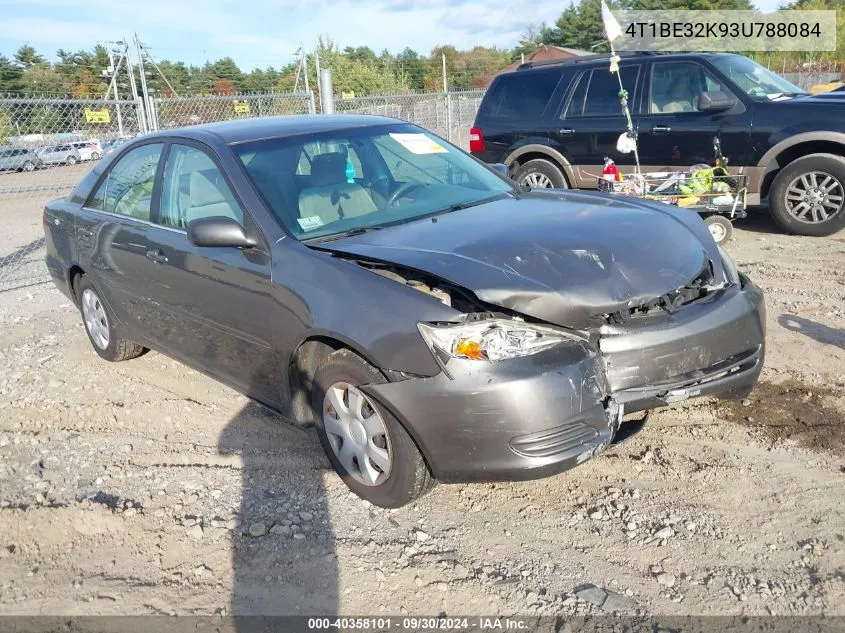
696	289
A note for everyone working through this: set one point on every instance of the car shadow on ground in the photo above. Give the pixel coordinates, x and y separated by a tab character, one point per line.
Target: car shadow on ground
759	220
283	551
817	331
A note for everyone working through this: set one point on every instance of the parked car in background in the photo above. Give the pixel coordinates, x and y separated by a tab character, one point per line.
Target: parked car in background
113	145
18	159
88	150
432	319
554	123
59	155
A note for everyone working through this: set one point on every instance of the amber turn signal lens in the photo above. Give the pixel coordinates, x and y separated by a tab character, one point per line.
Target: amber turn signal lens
468	348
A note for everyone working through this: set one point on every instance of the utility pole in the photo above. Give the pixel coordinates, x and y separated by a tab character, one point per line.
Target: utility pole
113	87
142	119
319	84
148	100
443	59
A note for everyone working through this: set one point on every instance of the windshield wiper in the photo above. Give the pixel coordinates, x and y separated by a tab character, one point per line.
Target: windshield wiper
358	230
466	205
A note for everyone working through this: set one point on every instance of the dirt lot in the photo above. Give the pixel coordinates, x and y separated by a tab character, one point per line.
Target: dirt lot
144	487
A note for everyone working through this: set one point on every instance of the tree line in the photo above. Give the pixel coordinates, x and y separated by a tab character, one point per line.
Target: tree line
358	70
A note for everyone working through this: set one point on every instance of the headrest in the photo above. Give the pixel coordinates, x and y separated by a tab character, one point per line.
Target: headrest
328	169
204	190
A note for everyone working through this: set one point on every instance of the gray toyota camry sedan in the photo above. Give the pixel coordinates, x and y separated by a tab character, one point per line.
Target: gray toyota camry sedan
433	320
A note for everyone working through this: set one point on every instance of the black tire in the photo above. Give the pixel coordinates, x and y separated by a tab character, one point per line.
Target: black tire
28	166
541	169
828	164
118	349
720	228
71	160
408	477
95	156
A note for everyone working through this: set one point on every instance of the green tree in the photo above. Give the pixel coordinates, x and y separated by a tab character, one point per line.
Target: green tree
10	76
530	40
26	57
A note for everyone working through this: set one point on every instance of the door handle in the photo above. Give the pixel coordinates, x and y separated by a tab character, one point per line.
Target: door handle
661	129
157	256
566	130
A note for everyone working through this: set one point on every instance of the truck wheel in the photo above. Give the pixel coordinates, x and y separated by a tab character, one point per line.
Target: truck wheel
541	174
368	448
807	196
720	228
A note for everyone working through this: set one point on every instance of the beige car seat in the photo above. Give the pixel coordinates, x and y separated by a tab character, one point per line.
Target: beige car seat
330	197
207	197
677	96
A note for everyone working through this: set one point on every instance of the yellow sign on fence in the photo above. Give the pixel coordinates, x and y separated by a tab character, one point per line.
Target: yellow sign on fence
241	107
347	95
97	116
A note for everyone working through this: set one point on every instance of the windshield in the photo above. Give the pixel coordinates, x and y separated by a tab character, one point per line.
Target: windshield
757	82
356	179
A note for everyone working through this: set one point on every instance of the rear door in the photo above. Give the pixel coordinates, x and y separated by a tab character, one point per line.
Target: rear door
591	119
673	133
213	306
112	236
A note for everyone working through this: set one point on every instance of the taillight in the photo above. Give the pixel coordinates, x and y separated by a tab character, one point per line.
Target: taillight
476	140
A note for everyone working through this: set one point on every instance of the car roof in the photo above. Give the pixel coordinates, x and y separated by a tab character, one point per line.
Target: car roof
244	130
602	58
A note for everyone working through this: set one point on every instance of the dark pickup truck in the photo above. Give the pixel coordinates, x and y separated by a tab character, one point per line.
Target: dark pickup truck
553	123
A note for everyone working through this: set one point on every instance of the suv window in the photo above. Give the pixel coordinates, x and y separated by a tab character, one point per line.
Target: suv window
194	188
128	188
675	87
597	92
520	94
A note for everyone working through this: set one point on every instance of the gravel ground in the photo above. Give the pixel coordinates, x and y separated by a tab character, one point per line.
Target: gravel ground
147	488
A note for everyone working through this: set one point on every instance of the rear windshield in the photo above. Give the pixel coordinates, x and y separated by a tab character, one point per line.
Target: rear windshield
520	94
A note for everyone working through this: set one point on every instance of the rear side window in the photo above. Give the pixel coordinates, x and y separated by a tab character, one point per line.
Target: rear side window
520	94
597	92
128	187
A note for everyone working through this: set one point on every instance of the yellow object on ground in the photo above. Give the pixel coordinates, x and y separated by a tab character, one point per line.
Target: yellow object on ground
819	88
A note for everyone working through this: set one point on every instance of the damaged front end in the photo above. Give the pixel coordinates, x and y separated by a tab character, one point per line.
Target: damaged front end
521	398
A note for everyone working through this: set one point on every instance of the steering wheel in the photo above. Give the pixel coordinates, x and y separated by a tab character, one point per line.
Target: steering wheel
403	189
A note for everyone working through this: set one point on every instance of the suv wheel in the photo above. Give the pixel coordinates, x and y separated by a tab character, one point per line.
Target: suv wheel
808	195
541	174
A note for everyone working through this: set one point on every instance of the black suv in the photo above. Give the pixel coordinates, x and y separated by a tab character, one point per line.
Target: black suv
553	123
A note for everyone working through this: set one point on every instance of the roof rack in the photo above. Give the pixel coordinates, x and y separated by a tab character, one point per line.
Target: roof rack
580	59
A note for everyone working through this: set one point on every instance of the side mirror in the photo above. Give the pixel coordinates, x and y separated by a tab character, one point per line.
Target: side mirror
502	169
218	231
715	101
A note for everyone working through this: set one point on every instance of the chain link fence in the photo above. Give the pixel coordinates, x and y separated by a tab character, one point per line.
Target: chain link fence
447	114
182	111
46	146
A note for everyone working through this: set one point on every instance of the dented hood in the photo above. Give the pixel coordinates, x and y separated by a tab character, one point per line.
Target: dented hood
563	257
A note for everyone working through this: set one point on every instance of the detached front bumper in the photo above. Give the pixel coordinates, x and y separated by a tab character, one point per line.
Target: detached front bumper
535	416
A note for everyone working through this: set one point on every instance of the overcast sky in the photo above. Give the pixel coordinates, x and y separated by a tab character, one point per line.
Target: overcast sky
261	33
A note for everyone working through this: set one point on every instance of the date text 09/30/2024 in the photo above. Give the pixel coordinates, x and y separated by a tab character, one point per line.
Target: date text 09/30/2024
410	623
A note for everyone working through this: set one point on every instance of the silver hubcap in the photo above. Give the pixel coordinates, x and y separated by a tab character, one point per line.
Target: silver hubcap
537	180
717	231
814	197
94	315
357	434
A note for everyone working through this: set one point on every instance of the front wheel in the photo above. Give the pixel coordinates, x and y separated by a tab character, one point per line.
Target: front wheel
366	445
541	174
95	156
28	166
720	228
807	196
71	160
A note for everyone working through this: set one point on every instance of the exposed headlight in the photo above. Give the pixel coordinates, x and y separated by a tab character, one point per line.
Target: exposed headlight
730	267
492	339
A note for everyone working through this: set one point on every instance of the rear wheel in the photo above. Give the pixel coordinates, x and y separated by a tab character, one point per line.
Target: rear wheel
366	445
541	174
95	156
100	325
720	228
807	196
28	166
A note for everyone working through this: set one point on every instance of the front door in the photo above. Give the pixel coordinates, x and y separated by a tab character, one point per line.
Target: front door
214	306
674	134
592	120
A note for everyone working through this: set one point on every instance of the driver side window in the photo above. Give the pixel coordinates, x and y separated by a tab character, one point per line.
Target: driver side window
675	87
128	187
